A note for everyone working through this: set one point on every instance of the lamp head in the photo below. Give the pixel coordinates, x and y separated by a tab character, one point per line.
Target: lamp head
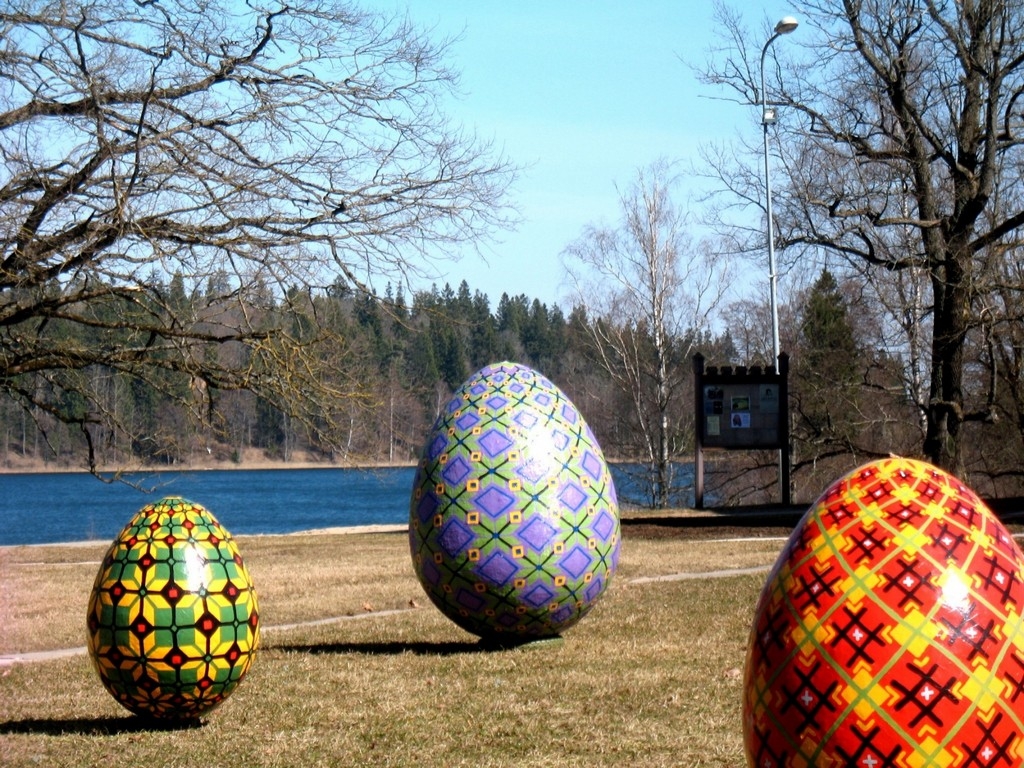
786	25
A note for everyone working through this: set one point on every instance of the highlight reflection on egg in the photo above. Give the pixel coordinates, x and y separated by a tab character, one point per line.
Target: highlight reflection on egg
890	631
173	618
513	520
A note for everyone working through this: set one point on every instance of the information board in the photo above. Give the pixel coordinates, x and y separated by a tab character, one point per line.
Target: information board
741	415
740	408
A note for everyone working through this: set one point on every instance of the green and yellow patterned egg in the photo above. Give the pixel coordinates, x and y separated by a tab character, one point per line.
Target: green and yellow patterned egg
173	617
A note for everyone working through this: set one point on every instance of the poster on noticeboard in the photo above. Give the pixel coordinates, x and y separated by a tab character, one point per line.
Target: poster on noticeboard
741	414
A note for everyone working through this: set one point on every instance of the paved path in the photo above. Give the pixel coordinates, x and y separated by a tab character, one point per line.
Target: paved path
9	659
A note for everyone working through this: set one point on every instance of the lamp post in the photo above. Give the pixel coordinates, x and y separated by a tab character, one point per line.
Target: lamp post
786	25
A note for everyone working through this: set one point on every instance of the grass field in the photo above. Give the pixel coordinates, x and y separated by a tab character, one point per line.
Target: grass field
651	677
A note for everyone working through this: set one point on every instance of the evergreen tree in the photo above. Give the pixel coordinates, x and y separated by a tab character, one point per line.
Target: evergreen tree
448	351
826	369
828	344
512	313
484	346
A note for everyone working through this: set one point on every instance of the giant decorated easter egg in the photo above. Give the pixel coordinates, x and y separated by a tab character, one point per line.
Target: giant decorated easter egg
513	521
173	619
890	631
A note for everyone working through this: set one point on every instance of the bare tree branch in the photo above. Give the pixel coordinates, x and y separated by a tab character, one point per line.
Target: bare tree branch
241	150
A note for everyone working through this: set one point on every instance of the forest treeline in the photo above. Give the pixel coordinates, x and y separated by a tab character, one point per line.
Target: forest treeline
394	362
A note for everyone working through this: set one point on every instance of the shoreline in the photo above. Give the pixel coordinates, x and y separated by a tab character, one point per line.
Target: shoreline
340	530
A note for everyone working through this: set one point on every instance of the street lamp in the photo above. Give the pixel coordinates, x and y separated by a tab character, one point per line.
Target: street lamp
786	25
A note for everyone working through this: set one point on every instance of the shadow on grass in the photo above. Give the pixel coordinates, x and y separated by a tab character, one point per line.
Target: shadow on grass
387	649
96	726
483	645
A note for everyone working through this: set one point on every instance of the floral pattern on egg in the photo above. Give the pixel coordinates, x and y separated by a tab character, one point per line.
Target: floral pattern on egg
173	618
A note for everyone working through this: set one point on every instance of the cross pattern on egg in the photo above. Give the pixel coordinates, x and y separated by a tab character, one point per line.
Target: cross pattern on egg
890	631
513	522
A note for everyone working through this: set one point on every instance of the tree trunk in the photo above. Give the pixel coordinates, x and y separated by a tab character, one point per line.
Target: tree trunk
945	408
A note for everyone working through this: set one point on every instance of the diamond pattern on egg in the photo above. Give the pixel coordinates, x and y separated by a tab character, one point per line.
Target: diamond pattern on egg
513	519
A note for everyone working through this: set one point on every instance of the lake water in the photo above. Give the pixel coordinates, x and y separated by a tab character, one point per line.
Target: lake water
62	507
57	507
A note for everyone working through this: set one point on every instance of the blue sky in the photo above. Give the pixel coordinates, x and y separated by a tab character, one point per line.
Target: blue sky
582	95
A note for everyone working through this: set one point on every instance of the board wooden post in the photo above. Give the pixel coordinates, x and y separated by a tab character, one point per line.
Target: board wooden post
698	443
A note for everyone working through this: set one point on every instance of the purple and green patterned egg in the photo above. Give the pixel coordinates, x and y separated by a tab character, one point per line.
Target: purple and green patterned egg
513	520
173	619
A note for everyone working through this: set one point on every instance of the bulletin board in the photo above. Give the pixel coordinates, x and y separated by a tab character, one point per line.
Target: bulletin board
740	408
741	415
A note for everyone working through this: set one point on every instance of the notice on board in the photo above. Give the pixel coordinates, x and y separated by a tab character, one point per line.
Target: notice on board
741	415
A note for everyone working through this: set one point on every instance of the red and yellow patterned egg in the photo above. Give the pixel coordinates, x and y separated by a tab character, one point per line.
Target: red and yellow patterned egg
890	631
173	618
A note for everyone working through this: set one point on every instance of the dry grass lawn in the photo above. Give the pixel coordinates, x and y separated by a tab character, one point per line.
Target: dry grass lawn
651	677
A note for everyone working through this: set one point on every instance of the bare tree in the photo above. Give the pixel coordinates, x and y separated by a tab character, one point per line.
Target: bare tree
245	147
905	132
648	293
